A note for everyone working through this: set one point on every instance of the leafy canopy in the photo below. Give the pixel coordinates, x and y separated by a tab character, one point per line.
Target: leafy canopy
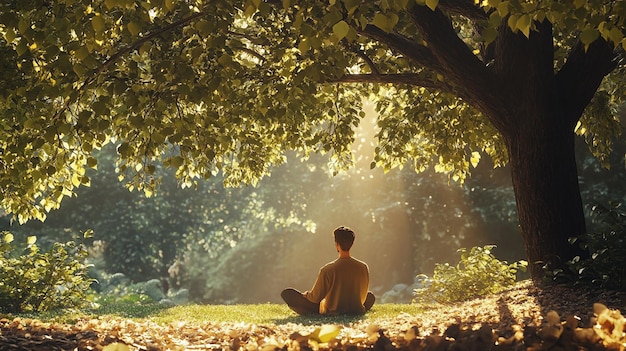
228	86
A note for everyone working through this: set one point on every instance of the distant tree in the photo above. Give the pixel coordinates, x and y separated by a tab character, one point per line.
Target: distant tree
229	86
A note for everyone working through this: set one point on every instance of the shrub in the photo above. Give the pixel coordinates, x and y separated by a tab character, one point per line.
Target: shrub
31	280
607	248
478	273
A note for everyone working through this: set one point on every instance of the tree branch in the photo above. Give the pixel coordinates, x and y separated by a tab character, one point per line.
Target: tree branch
581	75
398	78
412	79
405	46
461	66
367	60
465	8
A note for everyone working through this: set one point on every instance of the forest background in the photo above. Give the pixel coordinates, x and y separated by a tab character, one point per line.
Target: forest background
244	245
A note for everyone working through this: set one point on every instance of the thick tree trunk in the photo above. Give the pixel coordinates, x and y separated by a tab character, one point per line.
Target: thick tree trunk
535	109
550	210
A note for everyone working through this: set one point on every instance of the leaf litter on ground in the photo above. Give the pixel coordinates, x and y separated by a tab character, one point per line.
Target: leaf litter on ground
526	317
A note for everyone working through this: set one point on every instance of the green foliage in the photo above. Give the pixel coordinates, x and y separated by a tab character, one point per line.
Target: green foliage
257	79
31	280
477	274
607	246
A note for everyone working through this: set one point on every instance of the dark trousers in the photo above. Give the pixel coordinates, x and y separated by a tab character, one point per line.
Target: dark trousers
301	305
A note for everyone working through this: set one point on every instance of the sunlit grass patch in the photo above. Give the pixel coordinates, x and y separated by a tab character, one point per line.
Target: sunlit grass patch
267	313
272	314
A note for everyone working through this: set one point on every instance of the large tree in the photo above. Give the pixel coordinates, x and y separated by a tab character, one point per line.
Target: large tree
221	85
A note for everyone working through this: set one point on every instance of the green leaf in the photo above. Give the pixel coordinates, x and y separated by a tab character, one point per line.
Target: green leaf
110	4
225	60
134	28
589	35
176	161
204	27
23	26
380	21
341	29
81	53
10	35
503	9
92	162
304	45
98	24
489	34
170	5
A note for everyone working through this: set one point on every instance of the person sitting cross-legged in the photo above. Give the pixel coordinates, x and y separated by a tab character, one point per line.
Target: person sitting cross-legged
342	286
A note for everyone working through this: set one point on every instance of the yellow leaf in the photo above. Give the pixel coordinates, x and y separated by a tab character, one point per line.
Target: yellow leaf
432	4
31	240
512	22
475	159
523	24
341	29
325	333
76	180
8	237
116	346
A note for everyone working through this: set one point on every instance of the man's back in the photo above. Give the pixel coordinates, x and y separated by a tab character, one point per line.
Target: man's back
341	287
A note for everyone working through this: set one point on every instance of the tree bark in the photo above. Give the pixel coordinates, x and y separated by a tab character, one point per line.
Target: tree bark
549	205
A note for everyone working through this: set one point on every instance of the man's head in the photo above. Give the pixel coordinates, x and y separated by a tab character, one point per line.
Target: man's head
344	236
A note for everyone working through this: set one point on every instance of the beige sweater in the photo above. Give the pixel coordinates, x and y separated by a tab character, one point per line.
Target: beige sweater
341	287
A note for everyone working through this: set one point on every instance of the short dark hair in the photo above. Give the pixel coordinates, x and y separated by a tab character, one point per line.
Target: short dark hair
344	236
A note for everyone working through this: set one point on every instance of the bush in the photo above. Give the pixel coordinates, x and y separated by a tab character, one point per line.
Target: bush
607	248
31	280
478	273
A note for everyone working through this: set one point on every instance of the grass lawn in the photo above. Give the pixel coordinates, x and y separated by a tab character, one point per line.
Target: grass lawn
272	314
267	313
